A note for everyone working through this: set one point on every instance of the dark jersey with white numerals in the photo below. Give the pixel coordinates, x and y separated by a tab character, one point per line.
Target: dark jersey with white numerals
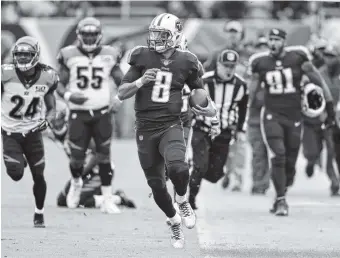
158	104
281	78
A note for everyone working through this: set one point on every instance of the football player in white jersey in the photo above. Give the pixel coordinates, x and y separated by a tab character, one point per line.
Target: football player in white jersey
89	74
27	88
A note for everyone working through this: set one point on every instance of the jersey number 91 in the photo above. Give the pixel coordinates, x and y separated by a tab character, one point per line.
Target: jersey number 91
280	81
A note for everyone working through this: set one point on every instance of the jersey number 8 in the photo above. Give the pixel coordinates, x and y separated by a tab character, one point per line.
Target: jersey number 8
161	89
280	82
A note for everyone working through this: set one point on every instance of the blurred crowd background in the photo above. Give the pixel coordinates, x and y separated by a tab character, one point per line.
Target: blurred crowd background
125	25
12	10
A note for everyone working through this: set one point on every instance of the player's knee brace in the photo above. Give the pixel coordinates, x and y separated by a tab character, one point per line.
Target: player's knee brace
177	167
106	173
179	175
156	184
15	170
76	163
279	160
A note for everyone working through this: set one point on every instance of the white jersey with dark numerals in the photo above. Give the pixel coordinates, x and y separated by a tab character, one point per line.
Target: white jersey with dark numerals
22	104
90	75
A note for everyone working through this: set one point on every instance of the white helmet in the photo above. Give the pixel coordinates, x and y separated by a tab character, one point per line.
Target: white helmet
165	32
313	100
183	43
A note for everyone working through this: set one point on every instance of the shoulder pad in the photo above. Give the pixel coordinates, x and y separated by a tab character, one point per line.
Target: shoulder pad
301	50
52	75
66	53
255	57
208	75
7	71
135	55
191	56
109	50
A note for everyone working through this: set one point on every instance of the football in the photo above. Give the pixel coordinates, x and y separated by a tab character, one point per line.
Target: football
198	97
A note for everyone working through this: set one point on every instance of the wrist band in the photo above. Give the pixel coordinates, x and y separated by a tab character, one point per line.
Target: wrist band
117	97
67	95
139	83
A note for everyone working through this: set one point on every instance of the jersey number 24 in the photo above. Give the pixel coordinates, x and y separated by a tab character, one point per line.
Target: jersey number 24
161	89
19	102
280	81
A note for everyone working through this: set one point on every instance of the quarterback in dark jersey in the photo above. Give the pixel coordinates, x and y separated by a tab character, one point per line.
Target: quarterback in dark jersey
280	71
157	76
230	94
27	107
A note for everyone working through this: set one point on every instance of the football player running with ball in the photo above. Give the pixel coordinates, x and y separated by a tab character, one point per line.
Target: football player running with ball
280	71
89	73
157	76
27	88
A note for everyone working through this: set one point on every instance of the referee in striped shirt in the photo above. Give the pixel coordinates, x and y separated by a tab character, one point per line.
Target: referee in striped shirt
210	151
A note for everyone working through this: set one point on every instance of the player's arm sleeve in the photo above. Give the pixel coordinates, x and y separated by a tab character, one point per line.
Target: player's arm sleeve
117	74
50	101
64	75
242	110
128	86
194	80
315	77
253	84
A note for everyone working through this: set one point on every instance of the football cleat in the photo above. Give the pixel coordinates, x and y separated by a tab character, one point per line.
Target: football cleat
281	208
310	170
39	220
225	182
274	208
177	235
187	214
108	206
236	188
335	190
73	196
258	191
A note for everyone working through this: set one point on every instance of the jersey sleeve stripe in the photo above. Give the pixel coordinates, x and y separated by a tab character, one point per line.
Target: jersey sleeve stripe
208	74
302	49
257	55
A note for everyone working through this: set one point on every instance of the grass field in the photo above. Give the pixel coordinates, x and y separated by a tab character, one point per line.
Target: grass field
229	224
